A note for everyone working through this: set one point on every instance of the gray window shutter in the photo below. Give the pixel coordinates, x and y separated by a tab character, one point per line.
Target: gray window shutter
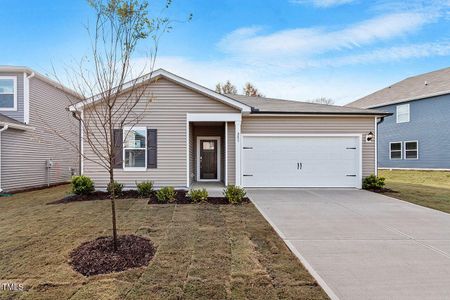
152	155
118	148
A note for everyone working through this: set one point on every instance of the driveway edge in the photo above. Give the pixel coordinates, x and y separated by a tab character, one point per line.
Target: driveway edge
305	263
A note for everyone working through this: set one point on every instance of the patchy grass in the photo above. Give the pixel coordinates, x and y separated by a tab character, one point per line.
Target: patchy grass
203	251
426	188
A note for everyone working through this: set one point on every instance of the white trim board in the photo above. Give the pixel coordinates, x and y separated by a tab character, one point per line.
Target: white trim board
213	117
197	154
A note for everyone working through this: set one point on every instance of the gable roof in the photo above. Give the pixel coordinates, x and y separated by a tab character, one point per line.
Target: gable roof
161	73
11	123
422	86
247	104
262	105
20	69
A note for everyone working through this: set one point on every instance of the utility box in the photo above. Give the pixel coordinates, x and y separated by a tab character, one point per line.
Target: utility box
49	163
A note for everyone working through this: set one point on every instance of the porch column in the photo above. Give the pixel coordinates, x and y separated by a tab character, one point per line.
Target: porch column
238	152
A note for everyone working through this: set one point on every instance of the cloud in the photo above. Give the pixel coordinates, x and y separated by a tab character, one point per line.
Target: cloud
389	54
252	42
322	3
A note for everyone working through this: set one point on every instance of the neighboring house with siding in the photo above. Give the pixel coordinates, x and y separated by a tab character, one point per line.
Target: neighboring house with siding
32	107
416	136
192	135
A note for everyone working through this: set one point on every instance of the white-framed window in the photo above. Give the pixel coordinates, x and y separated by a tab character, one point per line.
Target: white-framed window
411	150
8	93
403	113
395	150
135	148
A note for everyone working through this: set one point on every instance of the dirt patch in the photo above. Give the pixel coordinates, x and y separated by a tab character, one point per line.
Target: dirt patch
181	198
98	257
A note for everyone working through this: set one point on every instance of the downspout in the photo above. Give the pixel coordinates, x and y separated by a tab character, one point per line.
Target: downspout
1	130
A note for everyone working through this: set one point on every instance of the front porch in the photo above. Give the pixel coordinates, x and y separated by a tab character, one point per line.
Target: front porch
215	189
213	159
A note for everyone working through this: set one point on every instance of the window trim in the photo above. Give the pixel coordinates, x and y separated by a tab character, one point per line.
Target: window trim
14	108
401	150
409	112
128	128
417	143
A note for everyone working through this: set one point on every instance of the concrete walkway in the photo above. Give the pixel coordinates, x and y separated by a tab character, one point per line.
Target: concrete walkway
361	245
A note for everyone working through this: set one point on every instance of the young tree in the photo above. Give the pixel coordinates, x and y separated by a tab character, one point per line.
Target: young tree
250	90
323	100
227	88
120	27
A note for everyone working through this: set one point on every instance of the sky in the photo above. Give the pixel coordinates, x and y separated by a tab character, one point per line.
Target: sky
290	49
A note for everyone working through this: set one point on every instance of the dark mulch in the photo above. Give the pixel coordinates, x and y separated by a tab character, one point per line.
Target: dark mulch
98	257
181	198
382	190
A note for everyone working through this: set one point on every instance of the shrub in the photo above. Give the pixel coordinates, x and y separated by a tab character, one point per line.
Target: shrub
82	185
145	188
198	195
166	194
116	187
234	194
373	182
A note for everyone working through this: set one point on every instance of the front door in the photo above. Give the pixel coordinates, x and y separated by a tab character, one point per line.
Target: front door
208	159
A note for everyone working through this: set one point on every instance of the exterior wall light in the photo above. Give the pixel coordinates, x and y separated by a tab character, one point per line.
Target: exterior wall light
369	137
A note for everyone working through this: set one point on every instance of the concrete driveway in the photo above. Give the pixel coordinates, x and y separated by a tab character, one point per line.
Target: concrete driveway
361	245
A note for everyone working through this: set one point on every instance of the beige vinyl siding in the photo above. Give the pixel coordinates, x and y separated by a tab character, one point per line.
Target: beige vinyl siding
191	154
317	125
24	153
231	152
166	113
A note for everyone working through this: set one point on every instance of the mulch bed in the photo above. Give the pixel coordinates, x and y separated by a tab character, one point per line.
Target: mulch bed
98	257
382	190
181	198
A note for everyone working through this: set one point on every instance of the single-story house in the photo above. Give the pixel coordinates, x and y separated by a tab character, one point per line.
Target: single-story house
416	135
190	134
33	111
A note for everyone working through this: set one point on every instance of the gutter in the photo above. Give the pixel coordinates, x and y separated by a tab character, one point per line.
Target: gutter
381	114
1	130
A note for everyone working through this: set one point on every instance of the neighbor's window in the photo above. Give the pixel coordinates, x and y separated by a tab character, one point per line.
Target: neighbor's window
8	97
395	150
412	150
403	113
135	147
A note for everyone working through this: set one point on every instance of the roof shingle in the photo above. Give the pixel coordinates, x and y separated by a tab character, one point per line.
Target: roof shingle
271	105
413	88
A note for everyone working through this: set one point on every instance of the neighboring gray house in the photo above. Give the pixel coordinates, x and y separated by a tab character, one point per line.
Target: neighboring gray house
417	135
189	135
32	107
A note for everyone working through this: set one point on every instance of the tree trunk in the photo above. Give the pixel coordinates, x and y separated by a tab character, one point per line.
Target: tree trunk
113	209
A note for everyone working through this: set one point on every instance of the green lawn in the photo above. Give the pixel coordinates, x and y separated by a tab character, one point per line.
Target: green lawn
426	188
203	251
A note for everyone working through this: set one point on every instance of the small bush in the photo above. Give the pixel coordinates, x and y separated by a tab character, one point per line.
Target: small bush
166	194
373	182
145	188
198	195
234	194
82	185
116	187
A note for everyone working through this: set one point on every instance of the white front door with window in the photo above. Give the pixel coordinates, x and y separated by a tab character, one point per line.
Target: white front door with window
301	161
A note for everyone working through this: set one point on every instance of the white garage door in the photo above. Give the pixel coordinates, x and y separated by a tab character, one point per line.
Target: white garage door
270	161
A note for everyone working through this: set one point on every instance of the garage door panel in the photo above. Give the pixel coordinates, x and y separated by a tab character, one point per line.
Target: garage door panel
301	161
